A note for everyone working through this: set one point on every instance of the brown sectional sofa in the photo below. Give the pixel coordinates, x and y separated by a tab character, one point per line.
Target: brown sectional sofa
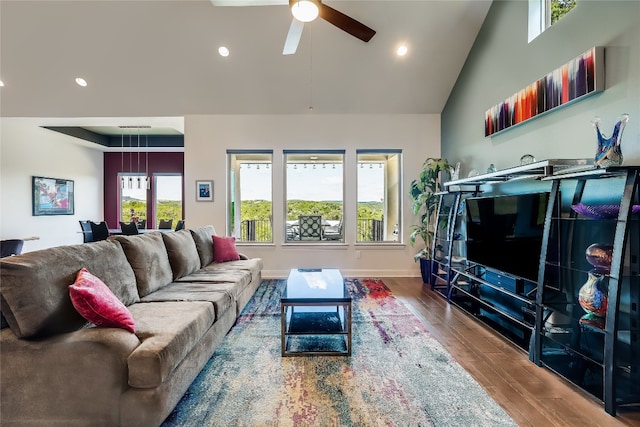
56	369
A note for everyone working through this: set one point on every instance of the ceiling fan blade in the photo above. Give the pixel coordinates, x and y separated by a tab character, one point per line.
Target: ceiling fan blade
293	37
346	23
248	2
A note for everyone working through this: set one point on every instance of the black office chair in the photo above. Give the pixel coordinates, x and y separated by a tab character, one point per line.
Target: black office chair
100	231
87	234
165	224
129	228
10	247
180	225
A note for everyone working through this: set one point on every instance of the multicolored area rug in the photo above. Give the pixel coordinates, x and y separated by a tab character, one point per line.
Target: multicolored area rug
397	375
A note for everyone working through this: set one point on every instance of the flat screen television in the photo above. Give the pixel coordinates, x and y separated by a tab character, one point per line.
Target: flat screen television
504	233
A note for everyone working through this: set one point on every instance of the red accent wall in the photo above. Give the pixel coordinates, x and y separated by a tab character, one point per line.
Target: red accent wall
158	163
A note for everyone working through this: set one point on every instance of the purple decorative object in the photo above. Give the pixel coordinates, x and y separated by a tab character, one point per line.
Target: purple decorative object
601	211
600	256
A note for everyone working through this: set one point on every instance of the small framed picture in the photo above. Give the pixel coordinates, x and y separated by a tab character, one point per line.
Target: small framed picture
204	191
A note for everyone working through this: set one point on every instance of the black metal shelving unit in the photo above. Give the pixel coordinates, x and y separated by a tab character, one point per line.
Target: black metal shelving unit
600	354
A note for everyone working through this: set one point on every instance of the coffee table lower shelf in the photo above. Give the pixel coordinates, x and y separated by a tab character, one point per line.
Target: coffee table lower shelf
318	332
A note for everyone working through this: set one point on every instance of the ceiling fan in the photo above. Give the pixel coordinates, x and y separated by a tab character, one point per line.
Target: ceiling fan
306	11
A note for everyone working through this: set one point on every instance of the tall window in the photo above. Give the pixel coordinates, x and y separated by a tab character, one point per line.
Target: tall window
379	195
168	198
545	13
314	195
250	201
133	198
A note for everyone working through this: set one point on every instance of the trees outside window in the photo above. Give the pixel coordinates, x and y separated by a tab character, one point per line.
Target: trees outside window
379	196
250	195
314	187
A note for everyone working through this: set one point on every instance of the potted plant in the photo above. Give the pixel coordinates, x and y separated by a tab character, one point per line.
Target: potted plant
425	203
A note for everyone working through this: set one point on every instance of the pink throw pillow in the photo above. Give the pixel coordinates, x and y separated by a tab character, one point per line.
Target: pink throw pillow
224	249
96	303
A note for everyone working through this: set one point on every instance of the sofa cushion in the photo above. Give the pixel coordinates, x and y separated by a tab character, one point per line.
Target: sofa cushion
224	249
253	265
182	252
204	243
35	285
168	331
220	296
148	258
96	303
240	277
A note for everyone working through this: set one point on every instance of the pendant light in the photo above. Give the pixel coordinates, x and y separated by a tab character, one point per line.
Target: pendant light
121	157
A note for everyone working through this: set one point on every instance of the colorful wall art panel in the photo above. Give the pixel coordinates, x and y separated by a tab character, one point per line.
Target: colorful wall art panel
578	78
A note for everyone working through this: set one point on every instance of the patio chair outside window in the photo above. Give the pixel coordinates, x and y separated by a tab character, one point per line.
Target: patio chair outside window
334	232
310	227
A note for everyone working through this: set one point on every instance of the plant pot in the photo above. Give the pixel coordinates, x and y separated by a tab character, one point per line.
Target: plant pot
425	270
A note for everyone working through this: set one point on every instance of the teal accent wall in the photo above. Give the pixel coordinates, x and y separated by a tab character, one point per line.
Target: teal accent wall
501	62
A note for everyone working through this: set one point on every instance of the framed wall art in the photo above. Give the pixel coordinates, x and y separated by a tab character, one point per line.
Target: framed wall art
577	79
52	196
204	191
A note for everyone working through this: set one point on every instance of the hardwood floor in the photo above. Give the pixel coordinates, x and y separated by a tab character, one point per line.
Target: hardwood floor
532	395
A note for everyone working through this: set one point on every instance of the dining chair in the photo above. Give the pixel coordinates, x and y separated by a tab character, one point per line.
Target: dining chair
129	228
10	247
310	227
100	231
87	233
165	224
142	224
180	225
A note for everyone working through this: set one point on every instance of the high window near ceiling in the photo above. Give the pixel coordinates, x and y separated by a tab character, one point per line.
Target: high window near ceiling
250	216
314	202
545	13
379	196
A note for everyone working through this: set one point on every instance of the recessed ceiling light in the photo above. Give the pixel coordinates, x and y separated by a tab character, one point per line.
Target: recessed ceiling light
223	51
81	82
402	50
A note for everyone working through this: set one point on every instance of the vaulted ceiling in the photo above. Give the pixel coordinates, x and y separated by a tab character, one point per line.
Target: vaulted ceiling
158	58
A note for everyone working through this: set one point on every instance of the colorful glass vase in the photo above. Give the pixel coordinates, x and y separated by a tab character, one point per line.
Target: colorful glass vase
609	151
593	296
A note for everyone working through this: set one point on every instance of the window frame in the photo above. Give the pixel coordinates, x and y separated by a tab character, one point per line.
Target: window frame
319	153
233	228
396	228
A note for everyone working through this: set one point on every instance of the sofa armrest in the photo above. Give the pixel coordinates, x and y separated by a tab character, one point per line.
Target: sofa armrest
69	379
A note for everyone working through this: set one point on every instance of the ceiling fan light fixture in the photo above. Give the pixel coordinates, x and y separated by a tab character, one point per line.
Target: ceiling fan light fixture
305	10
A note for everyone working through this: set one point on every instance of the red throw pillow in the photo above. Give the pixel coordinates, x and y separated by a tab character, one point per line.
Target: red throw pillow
224	249
96	303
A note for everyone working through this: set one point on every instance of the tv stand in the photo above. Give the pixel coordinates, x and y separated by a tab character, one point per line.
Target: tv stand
600	354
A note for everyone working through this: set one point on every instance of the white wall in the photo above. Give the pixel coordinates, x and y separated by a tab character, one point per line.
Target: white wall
207	137
501	63
27	150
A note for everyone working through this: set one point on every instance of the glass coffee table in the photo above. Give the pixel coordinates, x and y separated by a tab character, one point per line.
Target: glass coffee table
315	314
